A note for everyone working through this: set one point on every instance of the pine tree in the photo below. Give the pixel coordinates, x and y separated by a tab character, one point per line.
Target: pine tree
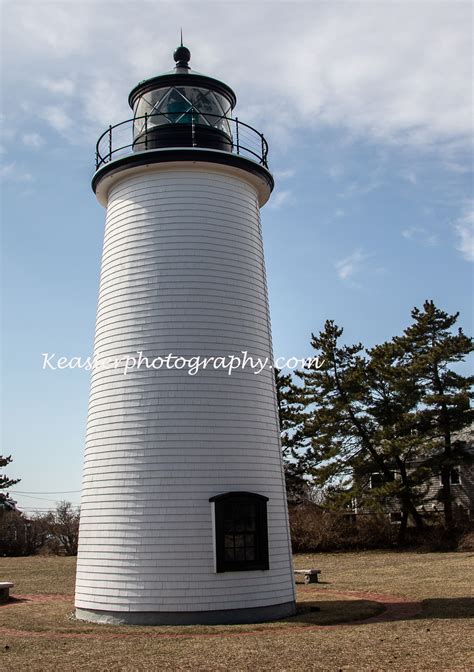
5	481
377	422
430	348
289	410
355	409
394	399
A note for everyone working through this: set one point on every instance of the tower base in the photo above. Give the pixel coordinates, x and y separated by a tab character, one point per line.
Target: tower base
218	617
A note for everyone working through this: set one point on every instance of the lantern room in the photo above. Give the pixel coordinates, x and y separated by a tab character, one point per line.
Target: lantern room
182	108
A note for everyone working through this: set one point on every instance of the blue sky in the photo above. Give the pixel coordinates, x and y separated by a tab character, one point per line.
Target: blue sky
367	108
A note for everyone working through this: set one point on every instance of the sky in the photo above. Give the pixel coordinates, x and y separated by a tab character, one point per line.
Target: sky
367	108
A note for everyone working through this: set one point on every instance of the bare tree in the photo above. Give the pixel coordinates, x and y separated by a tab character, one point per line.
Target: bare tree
63	524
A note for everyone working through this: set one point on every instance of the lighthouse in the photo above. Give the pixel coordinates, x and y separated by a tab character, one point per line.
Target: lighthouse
183	511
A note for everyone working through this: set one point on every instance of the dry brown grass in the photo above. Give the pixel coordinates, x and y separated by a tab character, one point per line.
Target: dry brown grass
436	640
416	575
58	617
53	575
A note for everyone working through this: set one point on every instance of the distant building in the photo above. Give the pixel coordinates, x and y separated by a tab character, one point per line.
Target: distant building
461	480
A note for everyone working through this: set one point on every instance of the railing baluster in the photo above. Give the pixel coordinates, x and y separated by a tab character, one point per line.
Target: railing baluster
110	143
146	130
237	133
193	133
264	159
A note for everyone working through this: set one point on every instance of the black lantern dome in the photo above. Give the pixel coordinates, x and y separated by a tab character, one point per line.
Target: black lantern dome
182	108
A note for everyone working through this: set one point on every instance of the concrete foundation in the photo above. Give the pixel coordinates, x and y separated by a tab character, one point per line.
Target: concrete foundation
219	617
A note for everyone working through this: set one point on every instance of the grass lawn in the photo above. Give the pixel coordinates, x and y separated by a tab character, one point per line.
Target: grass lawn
41	634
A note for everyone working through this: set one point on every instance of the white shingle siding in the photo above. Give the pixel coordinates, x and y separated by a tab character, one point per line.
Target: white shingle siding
182	272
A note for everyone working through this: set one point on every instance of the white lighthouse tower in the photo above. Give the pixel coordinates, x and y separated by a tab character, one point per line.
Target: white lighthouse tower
183	511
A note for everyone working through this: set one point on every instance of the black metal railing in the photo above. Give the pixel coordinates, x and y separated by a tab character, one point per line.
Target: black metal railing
159	130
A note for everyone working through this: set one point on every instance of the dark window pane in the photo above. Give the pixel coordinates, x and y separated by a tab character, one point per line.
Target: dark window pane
229	554
239	525
229	541
176	106
250	540
379	480
250	522
239	554
250	553
239	540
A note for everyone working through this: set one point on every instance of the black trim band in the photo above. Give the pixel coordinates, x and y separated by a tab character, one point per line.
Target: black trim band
182	79
237	493
193	154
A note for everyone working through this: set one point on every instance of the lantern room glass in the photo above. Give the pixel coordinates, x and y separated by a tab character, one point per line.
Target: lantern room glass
182	105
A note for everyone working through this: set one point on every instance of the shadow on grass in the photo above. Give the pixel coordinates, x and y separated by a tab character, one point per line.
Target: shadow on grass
448	607
366	611
334	612
15	600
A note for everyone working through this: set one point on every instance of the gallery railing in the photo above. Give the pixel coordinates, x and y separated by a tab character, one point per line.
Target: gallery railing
160	130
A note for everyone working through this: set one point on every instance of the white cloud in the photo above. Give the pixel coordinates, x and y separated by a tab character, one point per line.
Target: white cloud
279	199
6	170
33	140
64	87
11	172
102	100
56	117
410	176
335	171
382	70
421	234
349	266
464	228
284	174
358	188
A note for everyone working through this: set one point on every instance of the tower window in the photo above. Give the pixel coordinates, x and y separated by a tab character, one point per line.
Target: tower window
378	480
241	531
